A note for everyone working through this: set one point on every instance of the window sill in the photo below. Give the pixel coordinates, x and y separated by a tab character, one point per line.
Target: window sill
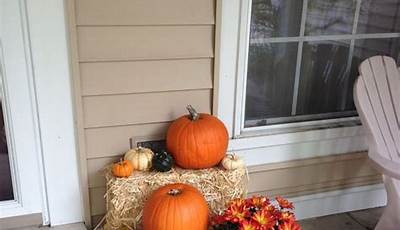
300	127
259	148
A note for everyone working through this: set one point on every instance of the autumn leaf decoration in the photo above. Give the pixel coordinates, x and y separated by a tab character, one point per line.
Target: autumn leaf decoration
257	213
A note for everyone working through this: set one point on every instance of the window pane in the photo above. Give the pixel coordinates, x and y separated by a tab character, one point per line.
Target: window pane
365	48
329	17
379	16
323	78
270	80
275	18
6	188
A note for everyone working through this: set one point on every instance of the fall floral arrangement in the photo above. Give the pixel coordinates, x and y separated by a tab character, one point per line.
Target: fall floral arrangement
257	213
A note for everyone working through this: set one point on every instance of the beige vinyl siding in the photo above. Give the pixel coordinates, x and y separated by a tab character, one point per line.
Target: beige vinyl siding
145	12
137	64
122	43
112	141
128	109
101	78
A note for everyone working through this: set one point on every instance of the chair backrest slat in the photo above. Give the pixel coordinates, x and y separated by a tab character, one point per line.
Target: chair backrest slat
377	99
383	71
364	106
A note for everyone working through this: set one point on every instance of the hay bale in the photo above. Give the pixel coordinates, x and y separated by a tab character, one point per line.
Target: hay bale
125	197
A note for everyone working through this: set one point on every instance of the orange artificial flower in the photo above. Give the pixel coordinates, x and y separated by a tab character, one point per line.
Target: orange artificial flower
264	219
270	208
257	213
237	202
286	216
246	225
258	201
237	211
289	226
283	203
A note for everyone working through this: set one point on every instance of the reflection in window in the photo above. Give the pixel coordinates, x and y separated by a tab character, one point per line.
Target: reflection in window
271	69
326	17
379	16
323	77
275	18
364	48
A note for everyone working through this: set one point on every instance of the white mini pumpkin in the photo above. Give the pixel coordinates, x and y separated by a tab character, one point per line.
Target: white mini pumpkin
140	157
232	161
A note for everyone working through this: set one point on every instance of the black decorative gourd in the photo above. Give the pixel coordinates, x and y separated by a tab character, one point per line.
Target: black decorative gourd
163	161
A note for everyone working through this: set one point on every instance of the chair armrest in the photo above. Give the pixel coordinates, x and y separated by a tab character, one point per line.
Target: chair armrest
386	166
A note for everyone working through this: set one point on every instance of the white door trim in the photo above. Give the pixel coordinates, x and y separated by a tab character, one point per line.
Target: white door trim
36	57
20	115
51	68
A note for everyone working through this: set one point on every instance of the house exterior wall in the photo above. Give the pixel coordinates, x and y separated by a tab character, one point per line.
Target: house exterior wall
138	64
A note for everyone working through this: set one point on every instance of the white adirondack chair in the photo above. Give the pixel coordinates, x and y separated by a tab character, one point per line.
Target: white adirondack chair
377	98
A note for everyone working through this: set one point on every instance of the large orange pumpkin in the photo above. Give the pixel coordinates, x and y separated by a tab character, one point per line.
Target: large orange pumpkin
197	140
175	207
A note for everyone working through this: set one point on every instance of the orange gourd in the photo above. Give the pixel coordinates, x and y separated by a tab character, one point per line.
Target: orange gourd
197	141
122	168
176	207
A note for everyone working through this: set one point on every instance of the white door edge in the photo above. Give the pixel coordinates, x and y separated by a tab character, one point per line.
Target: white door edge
53	87
20	115
48	84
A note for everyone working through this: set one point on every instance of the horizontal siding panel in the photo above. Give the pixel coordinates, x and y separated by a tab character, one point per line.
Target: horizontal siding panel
96	170
321	187
310	174
142	108
145	76
144	42
144	12
303	172
113	141
97	201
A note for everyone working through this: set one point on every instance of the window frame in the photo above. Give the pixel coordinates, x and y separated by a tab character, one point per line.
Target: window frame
338	136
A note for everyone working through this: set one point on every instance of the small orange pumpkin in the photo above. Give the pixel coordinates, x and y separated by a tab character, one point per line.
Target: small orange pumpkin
176	207
123	168
197	140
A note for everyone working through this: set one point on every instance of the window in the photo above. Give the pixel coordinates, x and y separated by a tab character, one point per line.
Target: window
302	56
285	71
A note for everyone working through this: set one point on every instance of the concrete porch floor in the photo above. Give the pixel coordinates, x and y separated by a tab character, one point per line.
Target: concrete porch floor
358	220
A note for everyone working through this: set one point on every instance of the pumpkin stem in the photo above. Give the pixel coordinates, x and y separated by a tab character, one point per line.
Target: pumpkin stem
194	115
174	192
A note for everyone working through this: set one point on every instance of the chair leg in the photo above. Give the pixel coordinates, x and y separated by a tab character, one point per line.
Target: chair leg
390	219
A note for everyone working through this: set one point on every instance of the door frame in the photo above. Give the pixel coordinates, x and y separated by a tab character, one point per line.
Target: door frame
20	116
48	61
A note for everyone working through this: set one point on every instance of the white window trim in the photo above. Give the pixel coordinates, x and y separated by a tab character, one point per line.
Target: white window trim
255	145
